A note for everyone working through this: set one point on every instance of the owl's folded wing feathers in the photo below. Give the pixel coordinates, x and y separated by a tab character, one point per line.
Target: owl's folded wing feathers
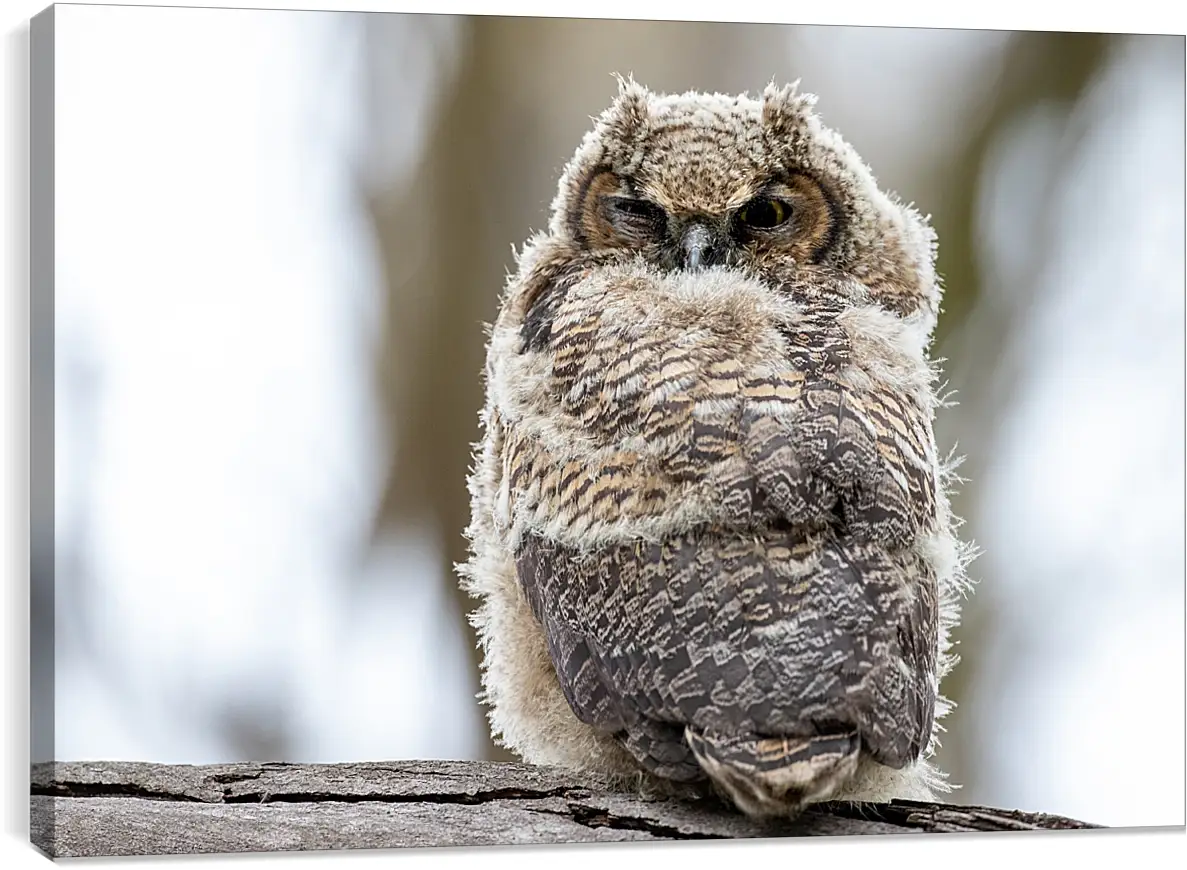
735	555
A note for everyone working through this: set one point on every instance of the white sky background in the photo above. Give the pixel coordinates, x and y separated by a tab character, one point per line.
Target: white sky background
212	267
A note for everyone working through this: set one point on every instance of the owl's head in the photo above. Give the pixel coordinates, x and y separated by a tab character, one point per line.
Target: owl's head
699	180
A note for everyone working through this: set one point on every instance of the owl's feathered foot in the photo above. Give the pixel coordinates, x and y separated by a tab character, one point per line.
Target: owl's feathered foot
776	776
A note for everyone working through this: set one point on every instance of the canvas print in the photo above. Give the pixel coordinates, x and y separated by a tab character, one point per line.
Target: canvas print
479	430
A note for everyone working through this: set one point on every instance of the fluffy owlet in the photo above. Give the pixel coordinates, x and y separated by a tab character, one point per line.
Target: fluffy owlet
710	530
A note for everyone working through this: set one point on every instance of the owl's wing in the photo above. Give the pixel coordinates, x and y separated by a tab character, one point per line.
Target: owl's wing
719	633
777	594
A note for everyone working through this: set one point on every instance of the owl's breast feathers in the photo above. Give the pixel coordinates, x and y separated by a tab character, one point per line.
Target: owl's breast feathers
713	496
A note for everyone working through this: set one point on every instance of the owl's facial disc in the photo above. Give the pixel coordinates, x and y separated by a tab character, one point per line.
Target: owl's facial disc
792	216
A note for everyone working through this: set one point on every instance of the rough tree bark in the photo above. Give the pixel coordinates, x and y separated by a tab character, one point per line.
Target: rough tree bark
90	809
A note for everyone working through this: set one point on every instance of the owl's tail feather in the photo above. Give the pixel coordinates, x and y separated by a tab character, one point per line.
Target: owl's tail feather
776	776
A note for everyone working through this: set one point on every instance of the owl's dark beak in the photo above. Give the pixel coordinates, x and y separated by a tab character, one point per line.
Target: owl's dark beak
700	247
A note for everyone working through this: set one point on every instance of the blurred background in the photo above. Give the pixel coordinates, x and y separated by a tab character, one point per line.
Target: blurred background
279	235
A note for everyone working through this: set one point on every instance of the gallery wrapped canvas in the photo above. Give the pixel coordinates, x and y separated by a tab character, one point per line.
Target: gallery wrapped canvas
463	430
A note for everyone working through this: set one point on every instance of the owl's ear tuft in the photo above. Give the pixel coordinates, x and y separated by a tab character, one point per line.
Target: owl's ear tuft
784	109
628	117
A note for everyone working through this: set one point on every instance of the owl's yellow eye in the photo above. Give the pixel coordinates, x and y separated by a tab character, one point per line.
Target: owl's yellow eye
765	213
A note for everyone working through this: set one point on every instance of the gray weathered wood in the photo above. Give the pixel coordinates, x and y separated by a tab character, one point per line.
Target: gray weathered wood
82	809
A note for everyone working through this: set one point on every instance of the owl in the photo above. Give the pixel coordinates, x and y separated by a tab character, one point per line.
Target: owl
710	532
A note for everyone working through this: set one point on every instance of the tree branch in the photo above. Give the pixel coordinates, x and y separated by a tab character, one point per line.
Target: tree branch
90	809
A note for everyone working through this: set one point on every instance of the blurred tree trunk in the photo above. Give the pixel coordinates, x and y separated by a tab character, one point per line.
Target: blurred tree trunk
431	349
1040	69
